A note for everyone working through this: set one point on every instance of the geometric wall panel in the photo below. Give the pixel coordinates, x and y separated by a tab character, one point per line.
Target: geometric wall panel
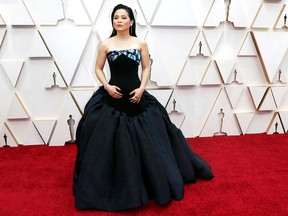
148	7
257	93
103	22
284	118
195	107
268	101
92	7
138	15
66	47
81	98
244	120
89	55
174	104
284	105
217	122
279	94
175	110
2	22
82	78
212	76
245	103
13	69
61	133
248	47
250	69
17	43
235	78
54	78
157	68
281	76
2	35
234	94
242	12
216	14
162	95
177	118
260	122
225	68
45	129
267	15
76	12
183	16
193	71
276	125
15	13
46	12
29	136
272	46
200	46
281	19
163	49
230	43
38	48
190	128
17	109
213	37
10	139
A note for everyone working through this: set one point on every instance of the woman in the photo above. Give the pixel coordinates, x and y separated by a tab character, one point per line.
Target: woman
128	149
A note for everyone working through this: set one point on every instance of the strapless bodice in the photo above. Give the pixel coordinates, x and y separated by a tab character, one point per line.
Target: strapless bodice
124	66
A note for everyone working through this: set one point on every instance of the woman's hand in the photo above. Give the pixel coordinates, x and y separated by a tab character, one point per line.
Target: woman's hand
113	91
137	94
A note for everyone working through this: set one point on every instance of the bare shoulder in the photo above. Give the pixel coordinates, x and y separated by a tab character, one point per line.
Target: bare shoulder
141	43
105	44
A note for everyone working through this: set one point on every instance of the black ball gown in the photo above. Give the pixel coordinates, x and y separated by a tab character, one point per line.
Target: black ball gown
130	153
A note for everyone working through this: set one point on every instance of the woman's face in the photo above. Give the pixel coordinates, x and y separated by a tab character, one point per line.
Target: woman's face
121	20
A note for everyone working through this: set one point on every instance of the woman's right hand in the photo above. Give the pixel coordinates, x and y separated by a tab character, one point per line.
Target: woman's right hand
113	91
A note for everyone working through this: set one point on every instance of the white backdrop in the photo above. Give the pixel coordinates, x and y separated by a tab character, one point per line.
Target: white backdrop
241	66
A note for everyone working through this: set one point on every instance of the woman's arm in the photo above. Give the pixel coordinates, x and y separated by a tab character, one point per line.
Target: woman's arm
113	91
100	62
145	61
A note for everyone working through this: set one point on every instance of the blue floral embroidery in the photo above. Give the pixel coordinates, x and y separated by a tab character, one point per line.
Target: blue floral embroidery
133	54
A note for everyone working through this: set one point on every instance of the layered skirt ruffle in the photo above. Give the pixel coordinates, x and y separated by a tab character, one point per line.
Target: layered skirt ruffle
123	161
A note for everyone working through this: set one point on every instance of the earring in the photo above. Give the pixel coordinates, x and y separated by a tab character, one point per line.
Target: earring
131	30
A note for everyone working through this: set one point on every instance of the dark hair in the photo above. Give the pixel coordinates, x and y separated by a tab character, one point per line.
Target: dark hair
132	29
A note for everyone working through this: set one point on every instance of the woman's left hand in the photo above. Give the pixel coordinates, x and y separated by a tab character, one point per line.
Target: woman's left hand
137	94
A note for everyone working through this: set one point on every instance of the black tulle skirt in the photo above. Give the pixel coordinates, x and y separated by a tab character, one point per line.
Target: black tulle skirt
125	160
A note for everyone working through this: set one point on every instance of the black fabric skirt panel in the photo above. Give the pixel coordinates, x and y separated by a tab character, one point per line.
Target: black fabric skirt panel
191	165
123	161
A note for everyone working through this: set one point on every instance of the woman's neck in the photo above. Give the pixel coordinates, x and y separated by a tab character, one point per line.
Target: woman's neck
123	35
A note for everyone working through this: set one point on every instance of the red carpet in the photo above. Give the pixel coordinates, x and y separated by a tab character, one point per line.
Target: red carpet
251	175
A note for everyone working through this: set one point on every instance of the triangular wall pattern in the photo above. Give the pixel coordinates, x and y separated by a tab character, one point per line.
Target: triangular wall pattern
200	46
212	76
276	126
13	69
217	122
244	120
66	47
45	129
38	48
10	138
2	35
17	109
81	98
248	47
